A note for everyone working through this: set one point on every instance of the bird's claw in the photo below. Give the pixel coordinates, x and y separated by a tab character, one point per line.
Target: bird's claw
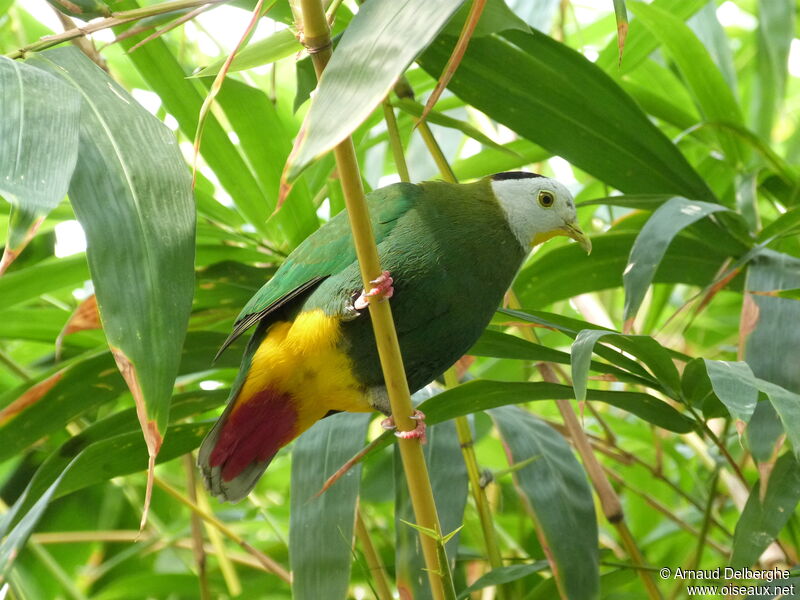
381	290
417	433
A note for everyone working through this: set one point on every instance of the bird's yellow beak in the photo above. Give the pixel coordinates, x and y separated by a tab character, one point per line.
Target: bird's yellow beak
576	233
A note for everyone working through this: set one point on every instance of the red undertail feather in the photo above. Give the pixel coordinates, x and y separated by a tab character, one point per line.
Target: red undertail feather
254	431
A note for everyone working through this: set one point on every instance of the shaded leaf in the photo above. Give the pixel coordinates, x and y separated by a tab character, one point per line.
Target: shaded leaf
481	394
502	575
761	520
712	94
378	45
770	338
143	243
38	147
652	242
321	527
643	347
558	99
558	495
566	271
735	386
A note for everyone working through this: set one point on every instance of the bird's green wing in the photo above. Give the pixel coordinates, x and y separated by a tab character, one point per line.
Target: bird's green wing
327	251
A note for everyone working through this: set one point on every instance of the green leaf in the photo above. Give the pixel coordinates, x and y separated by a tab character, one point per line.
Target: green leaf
648	350
141	246
762	520
42	278
652	242
640	42
437	118
787	405
776	20
321	527
558	496
481	394
279	45
15	538
449	481
38	147
712	94
566	271
553	96
502	345
516	154
772	338
502	575
378	45
735	386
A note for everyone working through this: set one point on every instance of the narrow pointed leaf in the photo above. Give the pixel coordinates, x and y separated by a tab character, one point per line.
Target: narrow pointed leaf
38	147
762	520
652	242
376	48
735	386
555	97
141	246
643	347
502	575
556	492
787	405
279	45
621	14
321	527
712	94
772	337
640	43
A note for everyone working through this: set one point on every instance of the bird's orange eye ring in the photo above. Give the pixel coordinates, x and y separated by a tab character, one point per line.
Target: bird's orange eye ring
546	199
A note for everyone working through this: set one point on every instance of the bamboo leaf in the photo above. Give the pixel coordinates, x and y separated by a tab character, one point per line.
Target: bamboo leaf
643	347
42	278
378	45
15	538
735	386
279	45
141	247
503	575
321	527
621	14
776	22
769	338
38	148
712	94
640	42
557	495
787	405
565	271
556	98
481	394
652	242
762	519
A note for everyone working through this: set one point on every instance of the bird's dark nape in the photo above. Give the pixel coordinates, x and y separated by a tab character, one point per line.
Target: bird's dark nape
514	175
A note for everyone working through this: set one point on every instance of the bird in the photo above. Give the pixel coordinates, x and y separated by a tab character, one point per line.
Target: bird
449	253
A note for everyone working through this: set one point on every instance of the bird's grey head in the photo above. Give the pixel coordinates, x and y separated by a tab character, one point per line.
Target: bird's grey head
537	208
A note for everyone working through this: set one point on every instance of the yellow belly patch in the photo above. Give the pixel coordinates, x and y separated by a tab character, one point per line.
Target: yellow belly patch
301	358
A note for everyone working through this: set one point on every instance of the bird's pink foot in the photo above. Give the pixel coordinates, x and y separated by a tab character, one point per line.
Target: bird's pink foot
417	433
382	289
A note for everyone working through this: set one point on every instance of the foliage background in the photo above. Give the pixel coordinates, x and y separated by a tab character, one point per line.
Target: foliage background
684	159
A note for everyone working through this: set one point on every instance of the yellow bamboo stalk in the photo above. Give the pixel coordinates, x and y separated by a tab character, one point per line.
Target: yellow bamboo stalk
382	588
316	37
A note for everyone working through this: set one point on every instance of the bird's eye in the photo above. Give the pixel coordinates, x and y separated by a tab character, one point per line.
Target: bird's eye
546	199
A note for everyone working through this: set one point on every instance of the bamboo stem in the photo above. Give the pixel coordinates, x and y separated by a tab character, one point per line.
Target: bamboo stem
119	18
376	568
266	561
197	531
395	143
316	37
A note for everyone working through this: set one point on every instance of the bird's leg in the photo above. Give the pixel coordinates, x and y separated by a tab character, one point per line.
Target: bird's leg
417	432
382	290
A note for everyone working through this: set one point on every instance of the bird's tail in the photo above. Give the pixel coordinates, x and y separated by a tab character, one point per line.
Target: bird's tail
244	441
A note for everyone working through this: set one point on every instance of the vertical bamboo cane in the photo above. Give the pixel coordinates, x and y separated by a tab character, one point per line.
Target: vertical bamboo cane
316	38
